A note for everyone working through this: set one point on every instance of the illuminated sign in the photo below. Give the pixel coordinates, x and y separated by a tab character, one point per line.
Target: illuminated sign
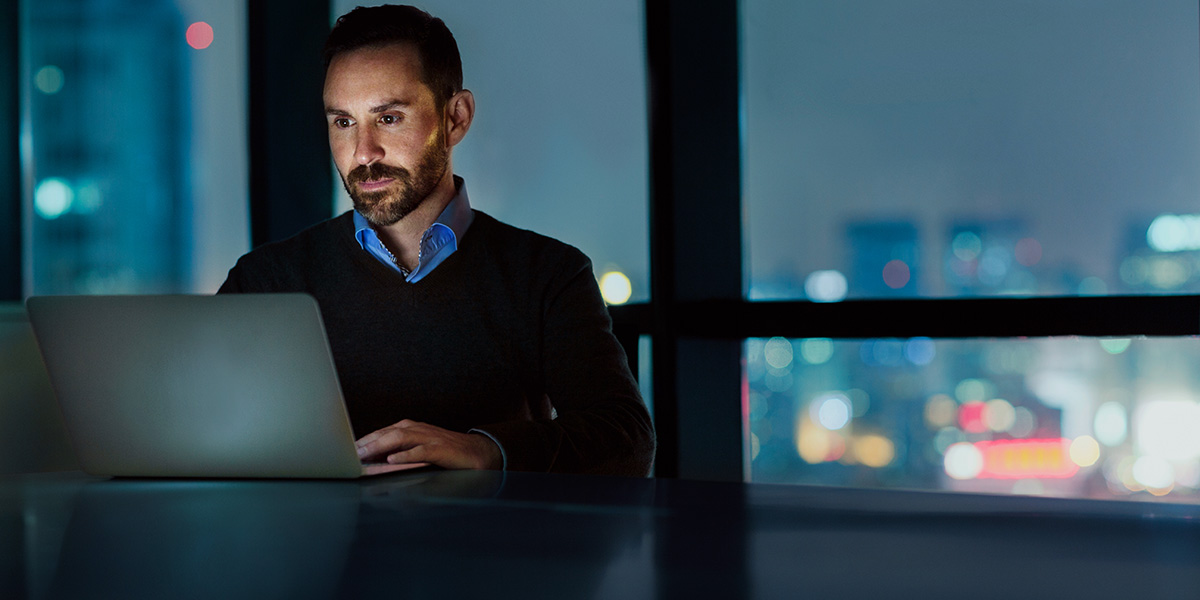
1026	459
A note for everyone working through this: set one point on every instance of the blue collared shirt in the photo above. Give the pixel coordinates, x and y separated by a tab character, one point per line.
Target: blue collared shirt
437	243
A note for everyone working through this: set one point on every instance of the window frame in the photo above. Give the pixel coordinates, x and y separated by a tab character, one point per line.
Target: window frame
11	213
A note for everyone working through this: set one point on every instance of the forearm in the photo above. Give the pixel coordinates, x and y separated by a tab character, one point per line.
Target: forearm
616	438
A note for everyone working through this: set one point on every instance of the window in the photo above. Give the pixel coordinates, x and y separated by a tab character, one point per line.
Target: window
135	161
942	148
1077	417
900	152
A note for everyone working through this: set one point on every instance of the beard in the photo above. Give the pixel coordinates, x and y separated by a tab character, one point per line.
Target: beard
385	207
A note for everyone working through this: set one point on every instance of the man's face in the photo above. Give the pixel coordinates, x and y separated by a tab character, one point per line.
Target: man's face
385	131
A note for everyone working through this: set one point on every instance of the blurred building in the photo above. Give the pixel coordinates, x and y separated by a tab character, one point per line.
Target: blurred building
109	113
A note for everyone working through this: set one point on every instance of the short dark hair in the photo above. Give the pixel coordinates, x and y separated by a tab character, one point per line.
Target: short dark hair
376	26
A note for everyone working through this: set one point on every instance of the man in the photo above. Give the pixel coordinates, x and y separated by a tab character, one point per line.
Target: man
458	340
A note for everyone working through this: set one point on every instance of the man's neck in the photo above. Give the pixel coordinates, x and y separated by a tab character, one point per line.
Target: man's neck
403	238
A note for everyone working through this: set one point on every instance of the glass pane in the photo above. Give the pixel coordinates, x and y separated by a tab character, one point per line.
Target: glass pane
943	148
559	139
1070	417
134	144
645	371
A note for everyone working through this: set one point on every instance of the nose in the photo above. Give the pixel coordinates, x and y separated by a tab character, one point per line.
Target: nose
366	148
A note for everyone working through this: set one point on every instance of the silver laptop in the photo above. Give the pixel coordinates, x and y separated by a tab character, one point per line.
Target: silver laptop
198	386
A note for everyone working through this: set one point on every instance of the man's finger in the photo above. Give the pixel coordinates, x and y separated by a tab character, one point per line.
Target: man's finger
384	440
366	439
368	444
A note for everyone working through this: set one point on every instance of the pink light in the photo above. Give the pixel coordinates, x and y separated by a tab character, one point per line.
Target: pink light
896	274
1026	459
199	35
971	417
745	401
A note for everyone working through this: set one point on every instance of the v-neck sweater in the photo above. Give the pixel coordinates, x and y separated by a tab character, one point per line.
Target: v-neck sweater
508	336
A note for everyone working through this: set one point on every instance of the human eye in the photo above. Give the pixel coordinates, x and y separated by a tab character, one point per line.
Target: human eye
342	122
389	119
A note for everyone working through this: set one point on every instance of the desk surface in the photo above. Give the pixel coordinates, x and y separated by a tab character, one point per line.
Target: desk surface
516	535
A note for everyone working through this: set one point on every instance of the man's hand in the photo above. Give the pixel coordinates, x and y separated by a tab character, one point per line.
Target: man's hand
410	441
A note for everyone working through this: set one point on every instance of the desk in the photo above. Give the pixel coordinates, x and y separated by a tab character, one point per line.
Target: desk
493	535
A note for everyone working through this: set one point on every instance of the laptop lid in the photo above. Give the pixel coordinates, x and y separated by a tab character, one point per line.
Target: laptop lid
197	386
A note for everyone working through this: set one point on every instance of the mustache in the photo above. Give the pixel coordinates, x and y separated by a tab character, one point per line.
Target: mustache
376	171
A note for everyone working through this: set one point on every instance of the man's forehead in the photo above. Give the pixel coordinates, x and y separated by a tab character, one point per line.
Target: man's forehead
386	57
375	75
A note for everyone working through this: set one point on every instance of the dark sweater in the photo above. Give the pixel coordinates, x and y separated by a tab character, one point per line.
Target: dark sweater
508	328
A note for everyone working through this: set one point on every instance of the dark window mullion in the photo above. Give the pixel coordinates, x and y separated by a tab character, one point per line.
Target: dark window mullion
10	154
695	231
1099	316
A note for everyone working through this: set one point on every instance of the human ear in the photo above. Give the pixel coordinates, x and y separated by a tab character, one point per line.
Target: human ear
460	112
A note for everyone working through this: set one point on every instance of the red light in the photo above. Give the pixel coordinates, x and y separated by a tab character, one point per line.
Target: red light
970	417
1026	459
199	35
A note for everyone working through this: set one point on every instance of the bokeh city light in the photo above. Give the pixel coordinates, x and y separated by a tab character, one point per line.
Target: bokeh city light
1070	417
199	35
615	287
49	80
52	198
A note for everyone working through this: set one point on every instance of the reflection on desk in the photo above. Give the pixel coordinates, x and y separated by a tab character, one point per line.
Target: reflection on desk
456	534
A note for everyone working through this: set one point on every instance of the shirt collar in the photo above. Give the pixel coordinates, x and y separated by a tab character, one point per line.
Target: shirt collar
457	217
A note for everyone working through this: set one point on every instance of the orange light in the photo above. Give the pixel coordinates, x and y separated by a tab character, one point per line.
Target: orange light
1026	459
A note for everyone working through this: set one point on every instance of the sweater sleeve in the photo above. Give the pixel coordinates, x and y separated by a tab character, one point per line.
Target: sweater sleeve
269	269
245	277
602	424
233	282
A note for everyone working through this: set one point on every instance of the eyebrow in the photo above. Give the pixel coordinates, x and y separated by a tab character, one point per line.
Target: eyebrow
386	106
389	105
